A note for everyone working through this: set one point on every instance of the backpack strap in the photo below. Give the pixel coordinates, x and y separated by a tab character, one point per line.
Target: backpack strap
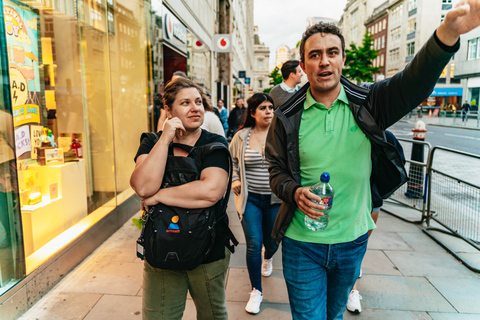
200	154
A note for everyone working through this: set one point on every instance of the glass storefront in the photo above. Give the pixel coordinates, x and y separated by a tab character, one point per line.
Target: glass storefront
72	113
79	79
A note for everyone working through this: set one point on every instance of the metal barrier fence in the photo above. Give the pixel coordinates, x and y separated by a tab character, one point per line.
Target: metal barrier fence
413	193
456	203
460	118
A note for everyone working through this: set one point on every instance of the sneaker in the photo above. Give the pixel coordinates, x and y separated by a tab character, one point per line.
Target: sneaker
267	267
353	304
253	305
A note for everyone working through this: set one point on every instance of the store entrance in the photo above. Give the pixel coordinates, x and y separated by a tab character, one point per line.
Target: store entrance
172	61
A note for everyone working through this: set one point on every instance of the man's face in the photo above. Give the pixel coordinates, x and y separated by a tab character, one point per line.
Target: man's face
323	62
220	103
238	102
297	76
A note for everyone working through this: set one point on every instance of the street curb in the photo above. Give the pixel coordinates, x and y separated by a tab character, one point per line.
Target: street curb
442	125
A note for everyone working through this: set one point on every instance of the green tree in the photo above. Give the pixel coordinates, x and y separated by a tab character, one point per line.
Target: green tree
275	78
358	65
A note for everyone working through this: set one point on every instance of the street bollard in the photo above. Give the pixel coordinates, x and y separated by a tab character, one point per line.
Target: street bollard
415	172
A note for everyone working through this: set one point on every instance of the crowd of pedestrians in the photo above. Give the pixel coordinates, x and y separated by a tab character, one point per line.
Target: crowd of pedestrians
280	145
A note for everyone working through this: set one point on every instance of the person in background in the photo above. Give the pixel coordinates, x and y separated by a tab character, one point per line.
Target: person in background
256	205
236	117
353	303
158	112
165	291
336	126
211	122
465	109
292	76
222	111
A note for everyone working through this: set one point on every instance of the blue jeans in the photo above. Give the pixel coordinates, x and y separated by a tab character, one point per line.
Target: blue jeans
257	223
319	277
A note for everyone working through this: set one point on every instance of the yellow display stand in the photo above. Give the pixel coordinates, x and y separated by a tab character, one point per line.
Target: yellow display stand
64	203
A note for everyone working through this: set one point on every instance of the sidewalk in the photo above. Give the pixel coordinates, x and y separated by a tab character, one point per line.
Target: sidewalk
406	275
471	123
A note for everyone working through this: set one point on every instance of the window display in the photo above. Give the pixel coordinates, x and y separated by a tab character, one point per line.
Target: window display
78	102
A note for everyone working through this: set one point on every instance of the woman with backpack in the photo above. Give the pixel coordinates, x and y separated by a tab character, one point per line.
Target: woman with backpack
256	205
165	290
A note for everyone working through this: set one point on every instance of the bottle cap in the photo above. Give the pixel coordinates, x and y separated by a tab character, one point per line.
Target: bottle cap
325	177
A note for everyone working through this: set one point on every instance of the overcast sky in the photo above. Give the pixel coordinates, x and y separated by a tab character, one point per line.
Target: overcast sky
283	21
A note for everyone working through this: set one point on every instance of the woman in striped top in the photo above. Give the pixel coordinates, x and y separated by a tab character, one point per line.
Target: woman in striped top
256	205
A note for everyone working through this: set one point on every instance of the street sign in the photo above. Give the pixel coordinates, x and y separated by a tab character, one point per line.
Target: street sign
242	74
222	42
247	80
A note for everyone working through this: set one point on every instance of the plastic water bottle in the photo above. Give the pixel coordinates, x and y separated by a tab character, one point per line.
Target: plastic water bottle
324	190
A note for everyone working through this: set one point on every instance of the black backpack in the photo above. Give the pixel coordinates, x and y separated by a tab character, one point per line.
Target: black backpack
177	238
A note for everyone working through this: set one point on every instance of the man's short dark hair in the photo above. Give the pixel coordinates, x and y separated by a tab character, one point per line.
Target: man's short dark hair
289	67
321	27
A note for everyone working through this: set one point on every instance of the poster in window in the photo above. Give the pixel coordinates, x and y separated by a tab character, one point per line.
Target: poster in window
22	48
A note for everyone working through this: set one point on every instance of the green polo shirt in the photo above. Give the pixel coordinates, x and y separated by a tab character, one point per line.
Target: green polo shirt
330	140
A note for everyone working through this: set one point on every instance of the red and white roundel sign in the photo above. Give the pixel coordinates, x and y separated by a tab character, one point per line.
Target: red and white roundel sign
223	43
198	45
168	26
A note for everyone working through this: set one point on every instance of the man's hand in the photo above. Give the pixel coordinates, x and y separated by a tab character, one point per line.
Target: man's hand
303	198
460	20
237	187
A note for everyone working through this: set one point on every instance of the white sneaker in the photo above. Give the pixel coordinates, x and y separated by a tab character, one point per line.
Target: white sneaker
267	267
353	304
253	305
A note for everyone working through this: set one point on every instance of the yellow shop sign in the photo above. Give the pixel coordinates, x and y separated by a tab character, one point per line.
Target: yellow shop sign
27	113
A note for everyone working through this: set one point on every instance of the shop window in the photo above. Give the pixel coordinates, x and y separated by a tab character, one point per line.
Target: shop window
12	258
78	79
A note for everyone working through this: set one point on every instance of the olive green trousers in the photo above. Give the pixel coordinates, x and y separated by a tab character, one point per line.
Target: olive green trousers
165	291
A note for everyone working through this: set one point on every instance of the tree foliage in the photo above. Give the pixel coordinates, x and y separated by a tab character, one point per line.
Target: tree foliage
275	78
359	62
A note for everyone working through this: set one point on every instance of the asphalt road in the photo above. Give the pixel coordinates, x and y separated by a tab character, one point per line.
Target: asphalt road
458	139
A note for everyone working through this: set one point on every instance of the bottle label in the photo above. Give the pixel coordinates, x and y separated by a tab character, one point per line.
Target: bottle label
79	152
327	201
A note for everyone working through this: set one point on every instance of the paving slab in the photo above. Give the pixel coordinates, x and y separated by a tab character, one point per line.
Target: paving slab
64	306
389	223
239	288
463	294
117	307
429	264
376	262
116	278
401	293
454	316
420	242
268	311
454	243
375	314
387	241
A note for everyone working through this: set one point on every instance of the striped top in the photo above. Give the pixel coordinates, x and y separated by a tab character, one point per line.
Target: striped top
256	171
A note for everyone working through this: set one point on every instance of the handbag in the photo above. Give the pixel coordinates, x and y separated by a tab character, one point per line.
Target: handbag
177	238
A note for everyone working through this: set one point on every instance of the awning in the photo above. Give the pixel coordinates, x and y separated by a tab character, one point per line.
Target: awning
447	92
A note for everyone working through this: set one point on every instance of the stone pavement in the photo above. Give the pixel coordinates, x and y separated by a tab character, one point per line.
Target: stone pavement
406	275
456	122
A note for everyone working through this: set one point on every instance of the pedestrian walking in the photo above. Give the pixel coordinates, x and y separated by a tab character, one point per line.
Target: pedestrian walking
257	207
465	109
335	126
236	117
222	111
165	291
292	76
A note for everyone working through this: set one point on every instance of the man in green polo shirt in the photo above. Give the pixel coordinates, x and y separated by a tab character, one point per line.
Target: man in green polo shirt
331	125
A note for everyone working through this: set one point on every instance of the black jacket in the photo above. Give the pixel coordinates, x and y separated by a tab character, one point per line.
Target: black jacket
375	108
